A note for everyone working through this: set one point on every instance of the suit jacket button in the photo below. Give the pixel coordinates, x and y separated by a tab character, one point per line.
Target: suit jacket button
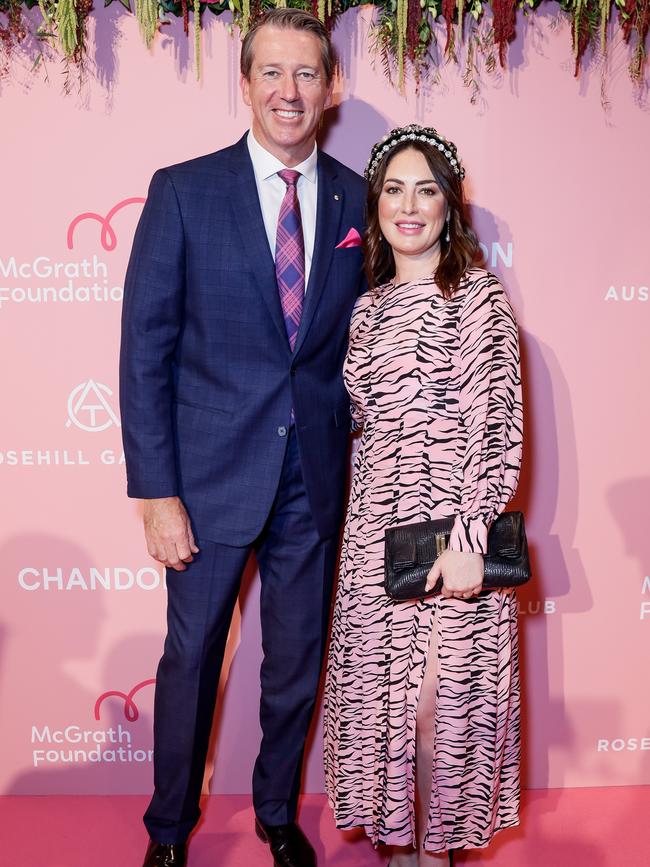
282	431
293	371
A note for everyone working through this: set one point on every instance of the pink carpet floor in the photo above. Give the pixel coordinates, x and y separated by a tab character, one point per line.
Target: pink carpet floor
559	828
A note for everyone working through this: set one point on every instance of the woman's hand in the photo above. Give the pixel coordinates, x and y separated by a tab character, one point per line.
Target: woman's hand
462	574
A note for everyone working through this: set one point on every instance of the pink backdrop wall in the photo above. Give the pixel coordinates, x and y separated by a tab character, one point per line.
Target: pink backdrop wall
560	203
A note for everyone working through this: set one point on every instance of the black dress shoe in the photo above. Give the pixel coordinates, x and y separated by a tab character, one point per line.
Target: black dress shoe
165	855
289	846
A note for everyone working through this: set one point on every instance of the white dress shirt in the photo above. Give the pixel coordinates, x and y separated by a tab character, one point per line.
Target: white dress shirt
271	189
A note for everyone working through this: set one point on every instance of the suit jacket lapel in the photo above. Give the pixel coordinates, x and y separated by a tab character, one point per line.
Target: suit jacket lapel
248	215
328	218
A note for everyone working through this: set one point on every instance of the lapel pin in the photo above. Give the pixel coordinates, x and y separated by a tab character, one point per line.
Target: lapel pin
336	197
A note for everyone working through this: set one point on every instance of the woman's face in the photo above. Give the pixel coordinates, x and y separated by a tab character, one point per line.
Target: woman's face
412	207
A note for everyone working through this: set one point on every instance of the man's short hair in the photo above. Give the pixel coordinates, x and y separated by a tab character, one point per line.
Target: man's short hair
289	19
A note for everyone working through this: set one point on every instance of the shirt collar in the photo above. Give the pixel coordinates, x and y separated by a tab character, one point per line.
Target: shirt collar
266	165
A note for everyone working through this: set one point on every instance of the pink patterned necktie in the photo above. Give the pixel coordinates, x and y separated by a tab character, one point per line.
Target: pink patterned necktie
290	256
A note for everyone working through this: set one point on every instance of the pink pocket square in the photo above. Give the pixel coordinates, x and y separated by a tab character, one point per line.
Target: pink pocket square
352	239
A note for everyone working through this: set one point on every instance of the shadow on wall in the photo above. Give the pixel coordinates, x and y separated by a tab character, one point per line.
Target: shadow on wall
171	40
49	630
548	495
626	500
350	39
121	761
52	655
352	114
623	499
47	703
106	44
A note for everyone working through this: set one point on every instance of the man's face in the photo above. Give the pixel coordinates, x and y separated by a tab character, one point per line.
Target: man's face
287	92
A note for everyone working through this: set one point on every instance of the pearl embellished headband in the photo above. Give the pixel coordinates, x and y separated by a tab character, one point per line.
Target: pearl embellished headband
414	132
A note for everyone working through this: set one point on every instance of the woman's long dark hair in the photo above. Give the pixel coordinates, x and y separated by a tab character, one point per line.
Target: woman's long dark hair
456	256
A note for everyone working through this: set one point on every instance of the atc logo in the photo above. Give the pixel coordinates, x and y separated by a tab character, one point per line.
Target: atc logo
89	409
131	712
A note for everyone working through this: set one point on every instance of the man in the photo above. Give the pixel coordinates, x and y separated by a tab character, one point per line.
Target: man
245	268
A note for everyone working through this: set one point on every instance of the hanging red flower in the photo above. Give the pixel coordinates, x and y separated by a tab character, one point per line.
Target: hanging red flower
448	13
503	22
413	28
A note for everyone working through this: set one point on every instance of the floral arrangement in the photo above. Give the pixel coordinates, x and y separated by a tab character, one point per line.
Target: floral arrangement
404	33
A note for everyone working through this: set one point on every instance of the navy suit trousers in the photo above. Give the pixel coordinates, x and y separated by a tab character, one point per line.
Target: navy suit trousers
296	570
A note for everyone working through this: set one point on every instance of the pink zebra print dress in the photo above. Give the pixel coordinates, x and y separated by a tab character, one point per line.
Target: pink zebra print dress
436	387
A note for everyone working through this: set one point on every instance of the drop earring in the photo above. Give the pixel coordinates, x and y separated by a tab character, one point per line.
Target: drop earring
448	236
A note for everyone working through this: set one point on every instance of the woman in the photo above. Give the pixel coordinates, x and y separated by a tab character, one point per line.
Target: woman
422	698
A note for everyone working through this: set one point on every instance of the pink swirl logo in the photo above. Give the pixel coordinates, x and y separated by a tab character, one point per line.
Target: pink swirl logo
108	237
131	712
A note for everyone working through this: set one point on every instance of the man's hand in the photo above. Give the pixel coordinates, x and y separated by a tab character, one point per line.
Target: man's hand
168	532
462	574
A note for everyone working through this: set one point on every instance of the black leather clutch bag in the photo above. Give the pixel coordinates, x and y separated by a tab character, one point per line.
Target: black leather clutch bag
412	549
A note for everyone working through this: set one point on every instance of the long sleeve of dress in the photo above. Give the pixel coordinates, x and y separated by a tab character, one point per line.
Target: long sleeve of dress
359	314
490	412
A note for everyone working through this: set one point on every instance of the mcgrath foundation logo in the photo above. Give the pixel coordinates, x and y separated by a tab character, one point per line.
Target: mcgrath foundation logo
108	238
131	712
74	744
42	279
89	409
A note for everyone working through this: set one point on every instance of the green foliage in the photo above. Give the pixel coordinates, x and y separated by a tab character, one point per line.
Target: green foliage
65	19
146	12
64	22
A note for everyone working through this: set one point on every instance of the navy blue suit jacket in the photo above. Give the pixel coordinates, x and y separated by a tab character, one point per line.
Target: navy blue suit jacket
207	378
